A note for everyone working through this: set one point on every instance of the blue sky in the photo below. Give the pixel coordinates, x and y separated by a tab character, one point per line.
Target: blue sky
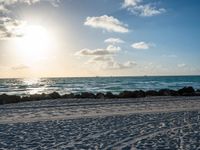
103	37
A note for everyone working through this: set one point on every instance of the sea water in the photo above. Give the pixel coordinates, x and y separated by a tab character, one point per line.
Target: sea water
95	84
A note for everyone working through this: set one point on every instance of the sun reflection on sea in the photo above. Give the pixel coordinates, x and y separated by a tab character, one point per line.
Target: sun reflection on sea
31	81
34	85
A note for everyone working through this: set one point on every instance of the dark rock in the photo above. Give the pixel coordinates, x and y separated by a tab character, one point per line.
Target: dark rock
127	94
3	99
71	95
110	95
164	92
44	96
151	93
140	93
167	92
174	93
6	99
187	91
132	94
25	99
39	97
197	92
100	96
77	96
87	95
54	95
36	97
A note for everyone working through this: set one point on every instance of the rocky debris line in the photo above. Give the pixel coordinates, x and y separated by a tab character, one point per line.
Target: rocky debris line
186	91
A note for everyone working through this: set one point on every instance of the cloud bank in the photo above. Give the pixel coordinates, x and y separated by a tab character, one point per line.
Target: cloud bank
107	51
108	62
104	58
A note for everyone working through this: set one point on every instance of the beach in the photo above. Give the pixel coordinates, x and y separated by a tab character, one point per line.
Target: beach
163	122
99	75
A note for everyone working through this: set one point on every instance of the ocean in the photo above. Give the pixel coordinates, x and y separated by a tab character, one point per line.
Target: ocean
26	86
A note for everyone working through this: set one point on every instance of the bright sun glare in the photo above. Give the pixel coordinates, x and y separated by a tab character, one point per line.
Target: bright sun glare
35	37
35	43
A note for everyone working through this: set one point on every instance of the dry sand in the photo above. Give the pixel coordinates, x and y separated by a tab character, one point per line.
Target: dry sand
144	123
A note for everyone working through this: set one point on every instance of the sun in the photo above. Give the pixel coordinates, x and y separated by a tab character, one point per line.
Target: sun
36	37
35	43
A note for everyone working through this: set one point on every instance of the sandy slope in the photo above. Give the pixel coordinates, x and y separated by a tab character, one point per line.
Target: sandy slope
146	123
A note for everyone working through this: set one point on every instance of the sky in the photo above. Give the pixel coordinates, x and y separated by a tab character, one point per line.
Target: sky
75	38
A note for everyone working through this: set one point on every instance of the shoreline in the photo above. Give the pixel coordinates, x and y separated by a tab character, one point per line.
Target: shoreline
185	91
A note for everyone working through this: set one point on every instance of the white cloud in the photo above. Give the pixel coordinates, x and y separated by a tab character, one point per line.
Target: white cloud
145	10
142	45
107	51
108	23
128	3
181	65
10	28
114	40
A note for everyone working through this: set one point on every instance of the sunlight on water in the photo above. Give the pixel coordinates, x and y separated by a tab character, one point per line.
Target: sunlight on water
31	81
33	85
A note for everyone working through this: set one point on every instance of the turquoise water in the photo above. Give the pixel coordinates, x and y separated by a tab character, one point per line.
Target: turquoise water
95	84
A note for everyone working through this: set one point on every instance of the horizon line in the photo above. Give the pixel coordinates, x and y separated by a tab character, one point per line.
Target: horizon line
102	76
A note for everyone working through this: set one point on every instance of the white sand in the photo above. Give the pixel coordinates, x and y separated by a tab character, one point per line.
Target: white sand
102	124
